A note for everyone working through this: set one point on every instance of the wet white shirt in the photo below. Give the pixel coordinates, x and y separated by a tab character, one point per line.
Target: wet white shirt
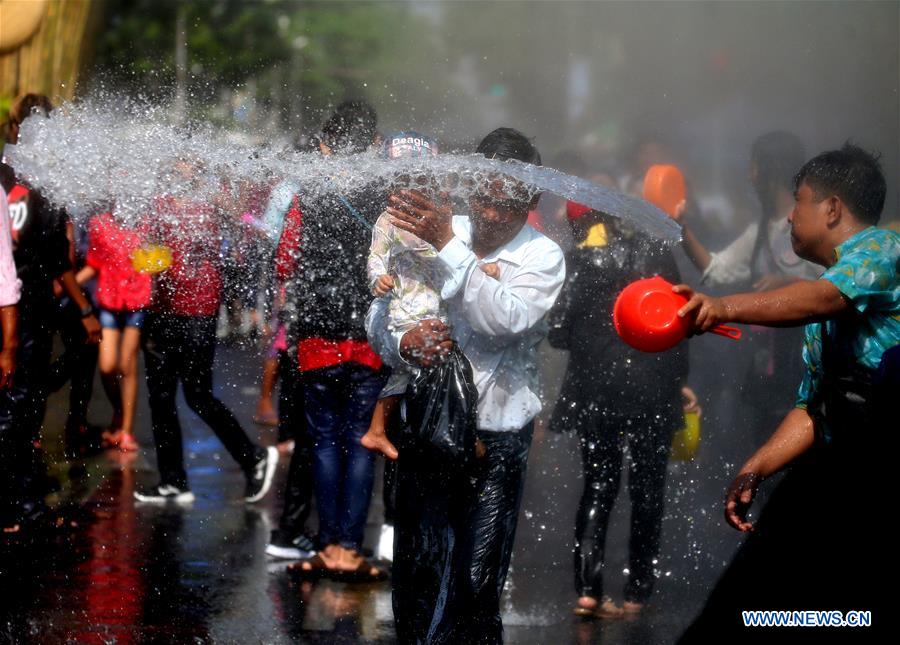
731	265
497	323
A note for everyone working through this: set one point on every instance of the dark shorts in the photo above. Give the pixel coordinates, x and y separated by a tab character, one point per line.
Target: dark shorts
121	319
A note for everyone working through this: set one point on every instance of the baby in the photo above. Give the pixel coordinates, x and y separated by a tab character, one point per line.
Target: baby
404	266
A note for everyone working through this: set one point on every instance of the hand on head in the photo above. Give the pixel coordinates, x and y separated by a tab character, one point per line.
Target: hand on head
427	219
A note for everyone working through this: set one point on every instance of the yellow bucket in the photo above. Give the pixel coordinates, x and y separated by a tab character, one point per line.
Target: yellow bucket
151	259
687	440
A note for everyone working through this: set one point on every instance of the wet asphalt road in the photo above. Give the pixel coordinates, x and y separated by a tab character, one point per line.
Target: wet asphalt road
116	571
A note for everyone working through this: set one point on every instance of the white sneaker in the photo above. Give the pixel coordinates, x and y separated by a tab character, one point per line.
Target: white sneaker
385	550
284	548
164	493
259	480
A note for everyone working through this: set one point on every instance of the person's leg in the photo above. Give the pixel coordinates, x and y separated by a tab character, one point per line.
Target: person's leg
128	359
9	450
60	370
299	488
81	359
265	411
291	418
364	385
17	432
483	558
196	373
110	339
33	371
161	355
649	444
601	458
376	438
298	491
432	504
324	399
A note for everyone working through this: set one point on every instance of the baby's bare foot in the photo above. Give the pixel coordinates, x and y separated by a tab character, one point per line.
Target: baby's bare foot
378	441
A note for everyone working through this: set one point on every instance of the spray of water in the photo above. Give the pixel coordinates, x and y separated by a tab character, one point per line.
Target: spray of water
97	153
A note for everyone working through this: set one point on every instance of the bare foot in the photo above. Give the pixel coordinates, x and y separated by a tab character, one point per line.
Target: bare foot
330	557
352	560
633	608
266	416
586	602
605	608
378	442
127	442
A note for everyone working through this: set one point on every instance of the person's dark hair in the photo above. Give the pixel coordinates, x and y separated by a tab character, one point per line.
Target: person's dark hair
352	128
777	155
7	177
28	104
852	174
508	143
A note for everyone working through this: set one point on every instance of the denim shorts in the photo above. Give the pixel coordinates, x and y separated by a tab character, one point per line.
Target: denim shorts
121	319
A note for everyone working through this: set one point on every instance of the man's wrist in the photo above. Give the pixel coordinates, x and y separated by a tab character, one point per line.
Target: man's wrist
729	309
443	241
87	310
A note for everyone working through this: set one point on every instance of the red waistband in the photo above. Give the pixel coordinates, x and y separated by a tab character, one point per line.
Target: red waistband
315	353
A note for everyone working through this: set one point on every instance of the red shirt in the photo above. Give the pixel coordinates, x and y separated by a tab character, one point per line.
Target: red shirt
119	286
192	285
315	353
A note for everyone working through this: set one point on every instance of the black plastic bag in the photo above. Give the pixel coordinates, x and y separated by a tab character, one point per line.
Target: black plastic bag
441	408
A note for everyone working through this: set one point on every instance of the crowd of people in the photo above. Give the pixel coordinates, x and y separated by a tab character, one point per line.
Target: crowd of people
373	294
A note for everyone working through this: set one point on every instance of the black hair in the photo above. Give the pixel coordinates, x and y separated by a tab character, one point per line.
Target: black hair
508	143
852	174
28	104
7	177
778	155
352	127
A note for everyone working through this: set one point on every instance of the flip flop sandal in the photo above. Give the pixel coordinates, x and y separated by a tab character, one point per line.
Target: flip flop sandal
316	568
362	573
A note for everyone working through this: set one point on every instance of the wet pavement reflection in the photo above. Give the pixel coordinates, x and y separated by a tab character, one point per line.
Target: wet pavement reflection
113	570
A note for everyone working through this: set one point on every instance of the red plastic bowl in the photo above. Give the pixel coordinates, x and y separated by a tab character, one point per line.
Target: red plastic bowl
645	316
664	187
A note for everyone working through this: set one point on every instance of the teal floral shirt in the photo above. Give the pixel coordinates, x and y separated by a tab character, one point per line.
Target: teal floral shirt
866	272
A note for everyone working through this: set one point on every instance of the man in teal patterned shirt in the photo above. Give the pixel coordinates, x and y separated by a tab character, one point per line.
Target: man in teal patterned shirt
817	535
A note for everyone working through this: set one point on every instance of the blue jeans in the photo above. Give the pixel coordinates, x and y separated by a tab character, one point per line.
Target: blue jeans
339	401
121	319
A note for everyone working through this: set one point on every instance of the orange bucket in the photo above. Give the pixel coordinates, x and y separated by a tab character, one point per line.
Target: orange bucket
645	316
664	187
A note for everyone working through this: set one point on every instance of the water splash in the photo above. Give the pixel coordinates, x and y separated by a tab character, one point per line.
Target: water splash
99	152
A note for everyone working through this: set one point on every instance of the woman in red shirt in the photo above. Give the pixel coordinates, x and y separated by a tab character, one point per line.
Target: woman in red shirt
122	293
